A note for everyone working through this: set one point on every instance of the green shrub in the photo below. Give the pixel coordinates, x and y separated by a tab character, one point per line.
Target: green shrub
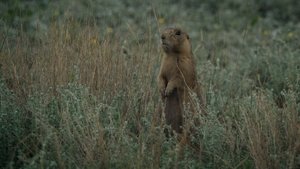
13	126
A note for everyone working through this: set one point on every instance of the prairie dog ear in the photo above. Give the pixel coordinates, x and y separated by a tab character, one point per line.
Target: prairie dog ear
187	36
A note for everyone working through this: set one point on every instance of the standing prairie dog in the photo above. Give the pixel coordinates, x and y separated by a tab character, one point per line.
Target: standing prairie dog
177	75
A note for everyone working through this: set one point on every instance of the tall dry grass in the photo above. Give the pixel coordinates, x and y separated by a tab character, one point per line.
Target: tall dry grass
90	101
271	134
100	76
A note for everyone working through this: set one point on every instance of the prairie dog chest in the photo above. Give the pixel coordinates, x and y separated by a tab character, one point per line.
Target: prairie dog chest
169	68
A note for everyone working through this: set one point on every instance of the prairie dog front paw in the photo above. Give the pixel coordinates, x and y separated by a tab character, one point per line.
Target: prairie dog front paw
168	91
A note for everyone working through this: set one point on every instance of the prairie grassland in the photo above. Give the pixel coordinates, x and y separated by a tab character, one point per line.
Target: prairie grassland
75	98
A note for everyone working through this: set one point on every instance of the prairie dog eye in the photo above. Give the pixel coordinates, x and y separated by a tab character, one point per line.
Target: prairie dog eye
178	32
163	37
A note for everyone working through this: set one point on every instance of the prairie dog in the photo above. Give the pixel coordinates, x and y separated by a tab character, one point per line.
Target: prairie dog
177	74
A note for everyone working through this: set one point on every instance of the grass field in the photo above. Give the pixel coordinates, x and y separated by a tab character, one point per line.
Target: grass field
78	85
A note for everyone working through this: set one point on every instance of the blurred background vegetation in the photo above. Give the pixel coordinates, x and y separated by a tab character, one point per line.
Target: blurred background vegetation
78	83
31	15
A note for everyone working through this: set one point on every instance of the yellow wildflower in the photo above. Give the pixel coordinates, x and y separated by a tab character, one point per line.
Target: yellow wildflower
109	30
161	20
290	34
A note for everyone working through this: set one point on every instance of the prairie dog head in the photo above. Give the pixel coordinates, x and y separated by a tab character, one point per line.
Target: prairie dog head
174	40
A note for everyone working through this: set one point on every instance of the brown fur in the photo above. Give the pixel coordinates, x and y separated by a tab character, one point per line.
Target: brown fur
177	75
